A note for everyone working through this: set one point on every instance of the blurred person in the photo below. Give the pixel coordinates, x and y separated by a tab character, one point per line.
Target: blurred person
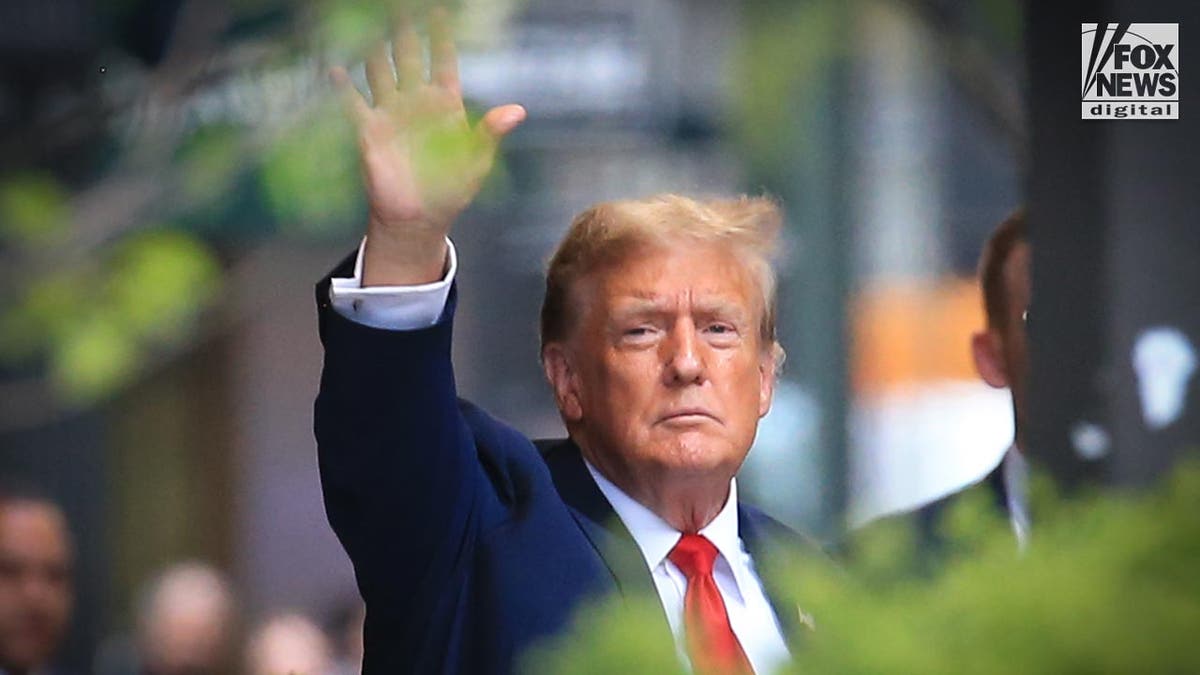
185	622
1001	354
288	644
658	342
36	589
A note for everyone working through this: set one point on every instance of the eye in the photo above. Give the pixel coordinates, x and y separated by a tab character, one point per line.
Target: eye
721	328
640	334
721	333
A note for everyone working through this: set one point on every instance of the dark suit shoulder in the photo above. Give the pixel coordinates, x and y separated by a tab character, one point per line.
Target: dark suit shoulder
754	524
508	458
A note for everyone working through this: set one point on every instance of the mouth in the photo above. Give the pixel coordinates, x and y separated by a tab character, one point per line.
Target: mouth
688	416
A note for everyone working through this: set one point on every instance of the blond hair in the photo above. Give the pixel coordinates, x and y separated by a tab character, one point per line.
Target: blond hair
609	232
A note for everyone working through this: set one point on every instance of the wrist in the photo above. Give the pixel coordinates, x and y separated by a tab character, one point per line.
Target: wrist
402	261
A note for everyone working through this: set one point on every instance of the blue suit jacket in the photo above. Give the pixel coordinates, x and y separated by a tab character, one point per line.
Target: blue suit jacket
468	541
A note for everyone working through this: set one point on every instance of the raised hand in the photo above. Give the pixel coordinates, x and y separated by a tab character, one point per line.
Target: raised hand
422	161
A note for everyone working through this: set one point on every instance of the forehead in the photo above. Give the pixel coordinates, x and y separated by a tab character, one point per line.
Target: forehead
31	528
668	273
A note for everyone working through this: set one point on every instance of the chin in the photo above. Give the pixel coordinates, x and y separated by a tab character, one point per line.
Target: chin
703	456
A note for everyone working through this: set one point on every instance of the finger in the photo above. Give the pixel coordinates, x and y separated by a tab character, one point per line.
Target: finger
499	121
352	100
443	58
406	50
379	76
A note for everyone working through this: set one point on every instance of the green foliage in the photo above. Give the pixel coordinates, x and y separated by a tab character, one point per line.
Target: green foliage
613	636
46	310
157	281
33	210
780	73
93	356
209	161
349	26
310	176
1108	585
96	324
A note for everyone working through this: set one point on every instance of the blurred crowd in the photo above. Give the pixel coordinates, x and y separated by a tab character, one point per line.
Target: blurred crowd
187	618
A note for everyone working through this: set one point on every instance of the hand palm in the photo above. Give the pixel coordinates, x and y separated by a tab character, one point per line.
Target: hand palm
420	164
422	161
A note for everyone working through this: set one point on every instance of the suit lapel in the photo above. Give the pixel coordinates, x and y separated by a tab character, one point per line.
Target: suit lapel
596	518
600	524
754	532
616	547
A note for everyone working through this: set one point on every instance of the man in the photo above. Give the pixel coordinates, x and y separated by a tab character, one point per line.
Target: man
1001	354
35	581
288	643
658	342
186	623
1001	358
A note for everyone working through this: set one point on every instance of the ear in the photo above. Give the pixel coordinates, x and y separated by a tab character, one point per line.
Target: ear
988	351
560	373
768	365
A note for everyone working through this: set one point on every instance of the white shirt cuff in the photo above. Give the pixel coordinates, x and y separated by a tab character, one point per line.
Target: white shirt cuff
392	307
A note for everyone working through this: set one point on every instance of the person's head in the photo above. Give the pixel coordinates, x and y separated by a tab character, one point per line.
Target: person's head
36	591
1000	350
658	337
288	643
184	621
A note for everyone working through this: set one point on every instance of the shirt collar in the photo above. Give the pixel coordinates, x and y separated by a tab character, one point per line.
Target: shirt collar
655	537
1015	470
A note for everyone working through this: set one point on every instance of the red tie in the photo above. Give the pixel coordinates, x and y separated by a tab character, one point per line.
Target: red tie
711	642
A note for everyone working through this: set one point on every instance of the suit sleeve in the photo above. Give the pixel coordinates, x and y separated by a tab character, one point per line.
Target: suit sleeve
398	466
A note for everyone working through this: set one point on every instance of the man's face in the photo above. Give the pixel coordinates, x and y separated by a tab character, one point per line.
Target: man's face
35	583
669	374
1014	341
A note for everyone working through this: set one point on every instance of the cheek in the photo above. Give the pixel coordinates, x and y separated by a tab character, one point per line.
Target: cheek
742	372
632	376
617	390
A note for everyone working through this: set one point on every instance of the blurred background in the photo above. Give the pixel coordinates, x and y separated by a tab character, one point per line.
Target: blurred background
174	179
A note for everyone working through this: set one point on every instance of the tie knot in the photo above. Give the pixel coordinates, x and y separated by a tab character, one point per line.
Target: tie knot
694	555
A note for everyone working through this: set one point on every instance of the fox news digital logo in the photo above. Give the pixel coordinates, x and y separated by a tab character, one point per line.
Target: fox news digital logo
1131	71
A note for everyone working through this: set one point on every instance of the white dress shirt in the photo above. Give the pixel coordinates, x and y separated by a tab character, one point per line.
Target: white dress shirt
750	613
392	307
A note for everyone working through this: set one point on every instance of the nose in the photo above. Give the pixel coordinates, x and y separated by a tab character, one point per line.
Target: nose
684	358
39	586
35	588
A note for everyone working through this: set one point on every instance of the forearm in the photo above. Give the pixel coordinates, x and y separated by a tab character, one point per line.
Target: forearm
397	461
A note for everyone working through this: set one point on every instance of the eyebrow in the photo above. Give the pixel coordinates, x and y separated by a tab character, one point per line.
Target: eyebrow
646	303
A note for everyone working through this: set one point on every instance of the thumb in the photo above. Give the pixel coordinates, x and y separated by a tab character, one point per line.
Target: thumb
499	121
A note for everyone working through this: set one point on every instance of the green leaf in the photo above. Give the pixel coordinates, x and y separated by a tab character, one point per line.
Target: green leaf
33	210
159	281
311	179
96	357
